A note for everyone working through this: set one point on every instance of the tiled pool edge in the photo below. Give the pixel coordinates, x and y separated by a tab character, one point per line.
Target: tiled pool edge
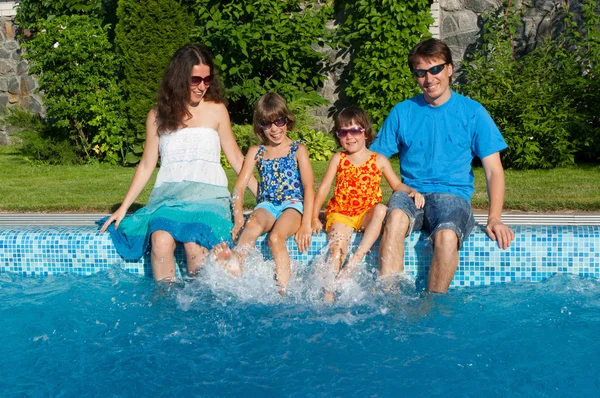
537	253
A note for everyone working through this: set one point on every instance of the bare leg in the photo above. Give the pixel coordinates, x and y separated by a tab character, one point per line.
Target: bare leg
372	226
163	258
391	247
195	255
339	238
445	261
287	224
259	222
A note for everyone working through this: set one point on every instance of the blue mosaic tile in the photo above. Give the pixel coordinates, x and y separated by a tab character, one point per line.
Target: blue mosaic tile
537	253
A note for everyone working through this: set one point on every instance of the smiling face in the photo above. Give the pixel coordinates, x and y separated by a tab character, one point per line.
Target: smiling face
436	88
198	91
273	133
352	138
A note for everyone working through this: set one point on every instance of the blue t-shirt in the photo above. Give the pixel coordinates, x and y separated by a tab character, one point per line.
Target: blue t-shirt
437	144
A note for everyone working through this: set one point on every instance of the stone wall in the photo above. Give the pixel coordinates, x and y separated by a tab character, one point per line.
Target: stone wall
460	22
17	88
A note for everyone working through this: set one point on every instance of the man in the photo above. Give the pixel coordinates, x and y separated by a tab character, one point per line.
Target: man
437	134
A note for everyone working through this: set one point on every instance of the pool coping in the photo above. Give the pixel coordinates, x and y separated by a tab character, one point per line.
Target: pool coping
509	217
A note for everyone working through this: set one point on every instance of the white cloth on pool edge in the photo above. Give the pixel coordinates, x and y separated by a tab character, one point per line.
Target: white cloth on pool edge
191	154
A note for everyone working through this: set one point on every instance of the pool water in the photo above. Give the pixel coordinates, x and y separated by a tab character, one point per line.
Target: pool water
115	334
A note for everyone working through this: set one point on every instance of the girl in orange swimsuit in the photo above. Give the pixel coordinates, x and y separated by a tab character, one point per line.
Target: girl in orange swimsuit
355	203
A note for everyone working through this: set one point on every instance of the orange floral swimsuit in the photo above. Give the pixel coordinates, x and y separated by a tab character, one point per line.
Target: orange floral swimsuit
357	189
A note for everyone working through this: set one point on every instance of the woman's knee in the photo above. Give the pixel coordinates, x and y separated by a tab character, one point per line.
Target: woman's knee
162	242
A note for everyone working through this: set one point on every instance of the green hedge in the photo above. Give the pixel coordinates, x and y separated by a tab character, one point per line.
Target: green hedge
147	35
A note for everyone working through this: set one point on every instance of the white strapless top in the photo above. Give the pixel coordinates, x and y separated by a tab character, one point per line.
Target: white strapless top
191	154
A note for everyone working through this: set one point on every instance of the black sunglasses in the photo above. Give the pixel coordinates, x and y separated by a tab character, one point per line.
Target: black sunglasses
355	131
279	122
196	80
434	70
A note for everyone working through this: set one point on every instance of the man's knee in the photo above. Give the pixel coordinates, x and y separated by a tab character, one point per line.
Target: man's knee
397	222
446	238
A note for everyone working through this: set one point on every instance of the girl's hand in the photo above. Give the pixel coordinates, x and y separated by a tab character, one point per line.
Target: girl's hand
418	198
117	216
317	227
303	238
237	226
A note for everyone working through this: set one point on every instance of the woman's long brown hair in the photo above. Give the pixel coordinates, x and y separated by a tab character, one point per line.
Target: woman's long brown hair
174	93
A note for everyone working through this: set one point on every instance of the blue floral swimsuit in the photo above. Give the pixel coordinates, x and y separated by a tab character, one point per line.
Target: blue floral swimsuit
279	178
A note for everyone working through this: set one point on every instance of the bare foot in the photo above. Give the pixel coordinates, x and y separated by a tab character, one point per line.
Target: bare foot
222	252
329	296
227	258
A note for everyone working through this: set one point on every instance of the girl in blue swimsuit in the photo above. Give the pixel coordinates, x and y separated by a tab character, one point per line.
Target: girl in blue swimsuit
285	194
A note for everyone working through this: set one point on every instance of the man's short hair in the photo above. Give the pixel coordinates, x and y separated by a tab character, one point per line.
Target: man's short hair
429	49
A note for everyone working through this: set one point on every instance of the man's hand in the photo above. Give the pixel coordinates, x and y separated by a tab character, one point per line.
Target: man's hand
500	232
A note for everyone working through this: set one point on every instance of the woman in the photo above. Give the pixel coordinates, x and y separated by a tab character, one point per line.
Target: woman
190	202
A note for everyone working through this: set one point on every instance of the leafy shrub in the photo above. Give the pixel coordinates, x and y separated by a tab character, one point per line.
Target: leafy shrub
36	144
29	12
320	145
380	35
245	138
147	35
75	64
586	43
264	46
532	98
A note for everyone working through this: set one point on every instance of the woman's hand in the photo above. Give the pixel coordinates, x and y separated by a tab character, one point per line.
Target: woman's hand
117	216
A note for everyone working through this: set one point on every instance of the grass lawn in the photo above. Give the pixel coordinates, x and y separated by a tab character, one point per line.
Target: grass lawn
30	187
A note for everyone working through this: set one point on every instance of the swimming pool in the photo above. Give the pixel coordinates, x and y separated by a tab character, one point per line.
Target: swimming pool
77	320
115	334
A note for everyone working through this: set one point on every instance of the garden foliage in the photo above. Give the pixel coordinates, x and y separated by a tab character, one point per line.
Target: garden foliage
379	35
75	65
263	46
147	35
31	11
543	102
100	65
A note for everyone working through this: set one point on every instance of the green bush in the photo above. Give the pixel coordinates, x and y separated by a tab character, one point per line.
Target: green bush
380	35
321	146
76	67
263	46
36	144
30	12
534	98
147	35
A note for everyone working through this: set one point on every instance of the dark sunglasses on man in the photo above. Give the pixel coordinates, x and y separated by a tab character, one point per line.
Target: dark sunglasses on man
434	70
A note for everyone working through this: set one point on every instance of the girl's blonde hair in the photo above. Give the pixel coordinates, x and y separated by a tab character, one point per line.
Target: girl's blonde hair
269	107
353	115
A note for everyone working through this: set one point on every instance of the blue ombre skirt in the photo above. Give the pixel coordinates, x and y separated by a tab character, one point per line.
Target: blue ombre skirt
189	211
